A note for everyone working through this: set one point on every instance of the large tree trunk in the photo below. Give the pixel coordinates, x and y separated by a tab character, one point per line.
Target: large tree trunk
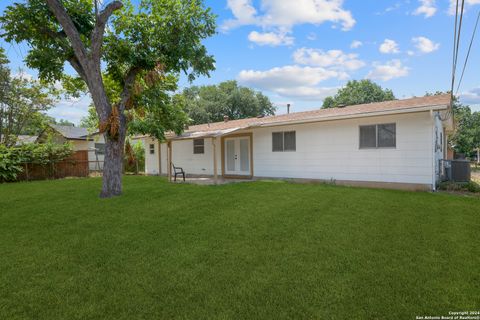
113	162
112	168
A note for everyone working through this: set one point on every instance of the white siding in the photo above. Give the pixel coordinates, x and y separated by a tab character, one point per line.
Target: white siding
198	164
330	150
151	160
164	151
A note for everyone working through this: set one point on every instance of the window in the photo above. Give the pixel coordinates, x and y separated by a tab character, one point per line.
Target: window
100	148
378	136
284	141
198	146
152	149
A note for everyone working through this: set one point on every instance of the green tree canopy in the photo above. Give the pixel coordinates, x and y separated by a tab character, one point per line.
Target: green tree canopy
358	92
466	138
211	103
22	104
141	46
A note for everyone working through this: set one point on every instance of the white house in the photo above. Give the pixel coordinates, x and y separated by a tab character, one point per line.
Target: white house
395	144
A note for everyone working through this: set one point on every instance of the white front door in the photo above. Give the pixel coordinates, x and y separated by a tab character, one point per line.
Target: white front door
237	156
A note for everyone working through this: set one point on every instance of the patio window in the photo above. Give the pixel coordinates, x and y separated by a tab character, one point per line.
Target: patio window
152	148
378	136
198	146
284	141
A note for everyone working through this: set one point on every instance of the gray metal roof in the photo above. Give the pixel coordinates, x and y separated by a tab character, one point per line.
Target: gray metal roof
71	132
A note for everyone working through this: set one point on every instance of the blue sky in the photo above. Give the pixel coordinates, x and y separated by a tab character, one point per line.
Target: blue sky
301	51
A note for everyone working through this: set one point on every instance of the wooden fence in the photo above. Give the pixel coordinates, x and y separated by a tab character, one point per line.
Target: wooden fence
75	166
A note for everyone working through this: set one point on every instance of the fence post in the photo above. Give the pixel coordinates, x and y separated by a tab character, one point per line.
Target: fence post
26	171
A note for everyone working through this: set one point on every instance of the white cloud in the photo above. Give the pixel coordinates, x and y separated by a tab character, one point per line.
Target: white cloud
427	8
389	46
286	14
387	71
292	81
468	3
243	11
72	109
471	97
307	93
425	45
23	75
356	44
335	59
271	39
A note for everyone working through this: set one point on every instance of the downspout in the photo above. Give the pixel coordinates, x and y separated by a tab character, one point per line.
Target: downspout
434	182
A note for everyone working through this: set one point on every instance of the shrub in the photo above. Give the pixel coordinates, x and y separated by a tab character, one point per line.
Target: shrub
12	159
460	186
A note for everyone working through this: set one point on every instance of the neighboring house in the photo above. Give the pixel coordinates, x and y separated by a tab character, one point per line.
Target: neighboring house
93	144
395	144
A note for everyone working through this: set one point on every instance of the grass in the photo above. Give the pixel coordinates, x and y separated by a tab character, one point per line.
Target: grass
261	250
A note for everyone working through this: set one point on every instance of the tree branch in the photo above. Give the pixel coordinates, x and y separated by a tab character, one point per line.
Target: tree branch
127	87
98	32
70	30
78	68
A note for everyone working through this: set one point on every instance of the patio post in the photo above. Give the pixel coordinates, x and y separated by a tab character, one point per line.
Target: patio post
215	174
169	160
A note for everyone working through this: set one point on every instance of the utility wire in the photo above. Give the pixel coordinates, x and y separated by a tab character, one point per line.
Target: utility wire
468	53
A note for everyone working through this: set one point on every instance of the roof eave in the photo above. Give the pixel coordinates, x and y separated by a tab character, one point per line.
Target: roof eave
355	116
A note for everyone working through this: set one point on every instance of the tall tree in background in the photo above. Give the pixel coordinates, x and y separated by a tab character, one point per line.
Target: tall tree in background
22	104
141	46
211	103
358	92
466	138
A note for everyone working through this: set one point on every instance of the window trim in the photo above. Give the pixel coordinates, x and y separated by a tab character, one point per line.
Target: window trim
283	140
376	136
152	148
202	146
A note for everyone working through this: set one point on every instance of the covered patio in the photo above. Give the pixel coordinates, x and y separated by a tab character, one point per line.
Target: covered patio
229	151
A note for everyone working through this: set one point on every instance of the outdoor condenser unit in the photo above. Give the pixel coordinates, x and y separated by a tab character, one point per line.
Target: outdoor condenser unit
460	171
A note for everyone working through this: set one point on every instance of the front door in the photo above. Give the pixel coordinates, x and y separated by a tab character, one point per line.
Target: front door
237	156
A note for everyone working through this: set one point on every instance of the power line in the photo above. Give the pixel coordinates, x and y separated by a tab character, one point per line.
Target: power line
457	35
468	53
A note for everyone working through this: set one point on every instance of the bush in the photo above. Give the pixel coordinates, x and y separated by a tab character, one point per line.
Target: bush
12	159
459	186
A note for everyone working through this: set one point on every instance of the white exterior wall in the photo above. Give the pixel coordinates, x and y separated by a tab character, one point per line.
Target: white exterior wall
198	164
151	160
330	150
164	164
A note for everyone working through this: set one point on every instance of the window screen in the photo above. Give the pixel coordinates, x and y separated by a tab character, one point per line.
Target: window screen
386	135
198	146
368	138
100	148
277	141
152	149
289	141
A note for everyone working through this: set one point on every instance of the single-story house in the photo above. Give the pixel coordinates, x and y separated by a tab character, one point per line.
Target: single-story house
397	144
81	139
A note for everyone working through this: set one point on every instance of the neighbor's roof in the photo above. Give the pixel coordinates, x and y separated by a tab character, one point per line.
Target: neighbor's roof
438	102
22	139
71	132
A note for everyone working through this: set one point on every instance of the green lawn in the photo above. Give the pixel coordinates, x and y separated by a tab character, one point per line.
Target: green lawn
260	250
